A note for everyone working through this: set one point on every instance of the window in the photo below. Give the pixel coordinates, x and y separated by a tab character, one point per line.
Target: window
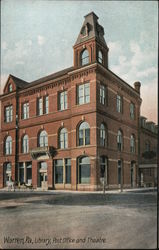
102	135
63	138
43	139
119	140
10	88
132	111
46	104
84	134
84	170
8	145
119	172
132	144
147	146
40	106
84	57
100	57
43	105
119	103
83	93
25	144
25	110
8	113
68	170
63	100
62	166
102	94
103	167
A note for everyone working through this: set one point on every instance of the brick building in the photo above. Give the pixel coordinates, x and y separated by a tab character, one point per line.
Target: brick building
71	129
148	153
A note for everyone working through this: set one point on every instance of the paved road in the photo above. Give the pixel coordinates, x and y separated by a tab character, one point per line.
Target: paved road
78	220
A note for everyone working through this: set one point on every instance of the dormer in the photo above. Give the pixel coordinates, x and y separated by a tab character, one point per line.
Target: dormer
13	83
90	46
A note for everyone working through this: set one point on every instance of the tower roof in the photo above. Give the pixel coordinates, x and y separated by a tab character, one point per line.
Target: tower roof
91	29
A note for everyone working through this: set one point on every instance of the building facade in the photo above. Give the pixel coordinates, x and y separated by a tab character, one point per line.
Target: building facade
74	128
148	153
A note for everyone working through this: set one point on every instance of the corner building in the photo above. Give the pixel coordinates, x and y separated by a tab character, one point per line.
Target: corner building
75	128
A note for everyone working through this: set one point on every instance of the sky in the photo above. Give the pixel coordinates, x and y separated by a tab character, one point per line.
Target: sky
37	38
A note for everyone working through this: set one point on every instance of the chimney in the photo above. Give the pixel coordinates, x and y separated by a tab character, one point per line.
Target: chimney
137	86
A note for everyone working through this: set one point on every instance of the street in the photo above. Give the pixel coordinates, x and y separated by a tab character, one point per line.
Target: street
55	219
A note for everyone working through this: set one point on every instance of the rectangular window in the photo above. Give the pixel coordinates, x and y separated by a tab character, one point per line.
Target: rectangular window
102	94
58	171
40	106
46	104
132	111
68	170
25	110
119	104
63	171
83	93
8	116
63	100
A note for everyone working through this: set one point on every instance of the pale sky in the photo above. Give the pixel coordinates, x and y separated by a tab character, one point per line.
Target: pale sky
37	38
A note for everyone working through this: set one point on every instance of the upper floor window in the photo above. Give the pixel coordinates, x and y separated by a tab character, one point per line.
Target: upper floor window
8	114
83	93
132	111
63	100
10	88
100	57
84	57
25	144
25	110
102	94
8	145
119	103
84	134
102	135
40	106
119	140
43	139
63	138
132	144
46	104
147	146
43	105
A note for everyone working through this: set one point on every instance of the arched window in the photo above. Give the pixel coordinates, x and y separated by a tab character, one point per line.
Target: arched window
63	138
8	145
84	134
132	144
25	144
43	139
103	135
100	57
10	88
119	140
84	170
84	57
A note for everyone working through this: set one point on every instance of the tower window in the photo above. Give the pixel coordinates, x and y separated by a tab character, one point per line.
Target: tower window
85	57
100	57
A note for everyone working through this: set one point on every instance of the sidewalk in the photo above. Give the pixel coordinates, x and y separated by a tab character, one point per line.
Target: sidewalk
116	191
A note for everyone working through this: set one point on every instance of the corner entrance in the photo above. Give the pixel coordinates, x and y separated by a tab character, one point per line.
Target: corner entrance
42	175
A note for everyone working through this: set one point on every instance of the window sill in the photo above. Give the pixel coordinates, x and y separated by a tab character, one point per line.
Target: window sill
82	104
